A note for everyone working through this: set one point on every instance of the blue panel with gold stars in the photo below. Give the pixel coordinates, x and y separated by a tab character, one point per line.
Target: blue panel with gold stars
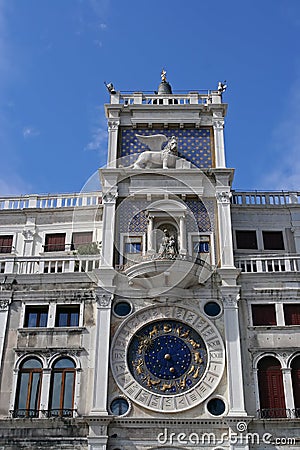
167	357
195	145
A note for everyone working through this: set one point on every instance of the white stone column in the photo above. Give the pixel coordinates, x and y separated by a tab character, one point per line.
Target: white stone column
5	300
225	229
102	353
113	128
279	314
288	388
44	404
218	127
150	248
182	236
28	242
230	296
109	212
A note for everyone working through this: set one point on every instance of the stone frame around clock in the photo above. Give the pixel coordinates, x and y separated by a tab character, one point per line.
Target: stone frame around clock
162	402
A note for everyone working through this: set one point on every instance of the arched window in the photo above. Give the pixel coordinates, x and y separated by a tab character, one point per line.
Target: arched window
62	388
271	391
28	389
296	384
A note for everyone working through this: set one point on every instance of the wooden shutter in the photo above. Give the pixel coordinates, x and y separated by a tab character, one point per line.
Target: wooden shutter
81	238
55	242
6	244
271	391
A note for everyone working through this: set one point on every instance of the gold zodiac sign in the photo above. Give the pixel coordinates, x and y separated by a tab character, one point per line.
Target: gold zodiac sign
153	332
167	328
145	342
151	382
166	386
196	374
138	367
182	382
184	334
191	370
194	343
197	357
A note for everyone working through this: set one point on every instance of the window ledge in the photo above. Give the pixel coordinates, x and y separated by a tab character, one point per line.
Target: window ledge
274	327
34	330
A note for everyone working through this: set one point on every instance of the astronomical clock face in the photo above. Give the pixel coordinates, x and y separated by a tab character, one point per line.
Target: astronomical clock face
167	356
172	363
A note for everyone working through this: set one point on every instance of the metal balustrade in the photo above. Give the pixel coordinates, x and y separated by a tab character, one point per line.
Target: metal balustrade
42	413
275	413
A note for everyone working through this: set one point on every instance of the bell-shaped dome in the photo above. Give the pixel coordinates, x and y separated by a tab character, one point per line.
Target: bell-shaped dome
164	88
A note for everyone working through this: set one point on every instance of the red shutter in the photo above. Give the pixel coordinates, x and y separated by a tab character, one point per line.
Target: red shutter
55	242
81	238
271	391
6	244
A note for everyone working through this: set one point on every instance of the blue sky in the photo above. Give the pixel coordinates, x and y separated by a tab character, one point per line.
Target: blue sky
55	55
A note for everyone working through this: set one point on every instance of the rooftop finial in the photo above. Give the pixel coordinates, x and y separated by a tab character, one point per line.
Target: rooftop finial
163	76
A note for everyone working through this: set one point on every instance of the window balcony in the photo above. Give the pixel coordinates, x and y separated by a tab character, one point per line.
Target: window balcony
41	414
277	413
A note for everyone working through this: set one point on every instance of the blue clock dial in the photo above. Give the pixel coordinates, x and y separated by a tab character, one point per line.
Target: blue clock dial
167	356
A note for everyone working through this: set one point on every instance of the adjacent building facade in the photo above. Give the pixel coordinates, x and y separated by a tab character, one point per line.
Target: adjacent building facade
161	311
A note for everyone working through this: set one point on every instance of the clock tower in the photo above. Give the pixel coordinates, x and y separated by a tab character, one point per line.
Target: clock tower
168	359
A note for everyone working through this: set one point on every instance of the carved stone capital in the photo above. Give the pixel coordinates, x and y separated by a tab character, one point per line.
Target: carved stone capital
218	124
113	125
4	304
230	300
223	197
109	197
104	300
28	234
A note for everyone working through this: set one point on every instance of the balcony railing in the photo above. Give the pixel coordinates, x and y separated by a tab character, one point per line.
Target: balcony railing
190	98
256	198
276	413
268	263
38	413
26	265
51	201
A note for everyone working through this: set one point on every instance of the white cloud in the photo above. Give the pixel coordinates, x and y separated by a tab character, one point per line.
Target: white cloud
103	26
98	140
29	132
284	172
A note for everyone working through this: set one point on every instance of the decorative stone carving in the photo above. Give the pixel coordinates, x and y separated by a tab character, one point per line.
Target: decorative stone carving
224	197
168	246
104	300
113	125
157	157
230	300
218	124
4	304
28	234
109	197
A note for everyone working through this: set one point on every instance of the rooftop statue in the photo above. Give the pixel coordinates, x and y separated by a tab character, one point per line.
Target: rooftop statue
157	157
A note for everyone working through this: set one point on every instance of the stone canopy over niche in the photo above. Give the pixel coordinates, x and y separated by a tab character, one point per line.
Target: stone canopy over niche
195	144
